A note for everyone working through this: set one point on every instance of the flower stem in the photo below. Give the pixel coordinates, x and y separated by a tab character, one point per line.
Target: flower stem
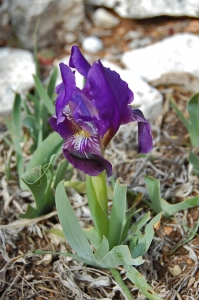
98	202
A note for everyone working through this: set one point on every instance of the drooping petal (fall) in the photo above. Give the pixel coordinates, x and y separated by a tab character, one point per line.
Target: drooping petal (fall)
145	142
84	154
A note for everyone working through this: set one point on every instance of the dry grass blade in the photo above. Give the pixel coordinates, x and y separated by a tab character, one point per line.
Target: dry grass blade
27	222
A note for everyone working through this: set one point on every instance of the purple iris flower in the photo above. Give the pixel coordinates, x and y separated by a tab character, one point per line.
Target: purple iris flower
88	119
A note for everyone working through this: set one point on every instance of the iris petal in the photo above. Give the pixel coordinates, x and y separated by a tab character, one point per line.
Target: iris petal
53	123
78	61
84	154
145	142
111	97
66	89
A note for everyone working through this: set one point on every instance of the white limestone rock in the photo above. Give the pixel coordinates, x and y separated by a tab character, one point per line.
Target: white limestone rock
178	53
103	18
16	69
92	44
150	8
24	15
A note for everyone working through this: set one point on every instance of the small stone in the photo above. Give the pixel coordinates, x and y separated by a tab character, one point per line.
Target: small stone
175	271
70	38
46	260
167	229
92	44
191	282
132	34
102	18
190	261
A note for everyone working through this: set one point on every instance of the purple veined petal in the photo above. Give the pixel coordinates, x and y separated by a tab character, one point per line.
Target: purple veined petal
78	61
145	142
111	96
81	104
84	154
60	103
66	125
53	123
66	89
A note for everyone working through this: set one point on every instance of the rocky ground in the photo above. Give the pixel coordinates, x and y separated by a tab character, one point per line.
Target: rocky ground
172	274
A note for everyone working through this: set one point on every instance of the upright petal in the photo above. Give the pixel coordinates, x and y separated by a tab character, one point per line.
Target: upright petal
85	155
145	142
78	61
111	97
66	89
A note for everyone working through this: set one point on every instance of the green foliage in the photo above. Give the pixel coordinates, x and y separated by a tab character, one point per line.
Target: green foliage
191	234
15	128
42	108
194	160
109	251
41	181
34	114
192	124
158	204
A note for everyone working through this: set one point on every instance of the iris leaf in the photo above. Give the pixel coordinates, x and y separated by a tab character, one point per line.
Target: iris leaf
193	109
158	204
117	216
194	160
93	237
71	228
116	275
15	128
144	240
51	145
135	277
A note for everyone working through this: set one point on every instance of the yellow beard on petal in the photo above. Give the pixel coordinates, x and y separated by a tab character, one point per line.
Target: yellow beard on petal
82	134
81	139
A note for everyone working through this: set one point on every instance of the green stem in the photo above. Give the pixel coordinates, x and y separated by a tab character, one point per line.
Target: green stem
99	184
98	202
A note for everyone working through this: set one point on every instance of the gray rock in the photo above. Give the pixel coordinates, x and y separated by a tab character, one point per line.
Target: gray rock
178	53
150	8
138	43
16	70
24	15
92	44
102	18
